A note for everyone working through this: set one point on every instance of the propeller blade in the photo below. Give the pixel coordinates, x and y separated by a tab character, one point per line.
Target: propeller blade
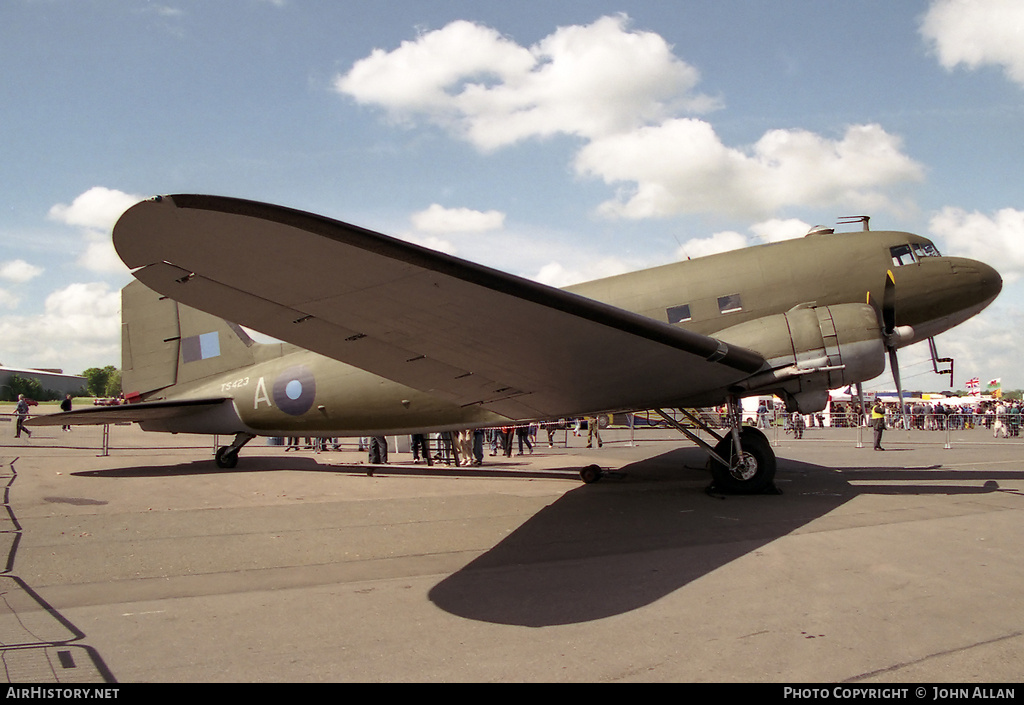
894	367
889	303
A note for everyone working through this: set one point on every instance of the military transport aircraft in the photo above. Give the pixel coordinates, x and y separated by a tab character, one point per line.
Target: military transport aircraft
384	337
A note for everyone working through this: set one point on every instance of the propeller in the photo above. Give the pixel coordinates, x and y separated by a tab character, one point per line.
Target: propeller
893	334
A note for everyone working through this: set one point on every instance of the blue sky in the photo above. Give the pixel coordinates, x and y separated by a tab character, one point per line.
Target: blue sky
560	141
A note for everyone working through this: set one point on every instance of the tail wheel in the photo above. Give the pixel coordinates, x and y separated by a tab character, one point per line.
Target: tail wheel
226	457
752	471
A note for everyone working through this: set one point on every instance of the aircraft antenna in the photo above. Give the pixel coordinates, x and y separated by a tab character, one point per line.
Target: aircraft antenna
849	219
681	247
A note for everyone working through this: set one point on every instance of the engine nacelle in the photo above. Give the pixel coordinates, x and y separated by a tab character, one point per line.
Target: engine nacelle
812	349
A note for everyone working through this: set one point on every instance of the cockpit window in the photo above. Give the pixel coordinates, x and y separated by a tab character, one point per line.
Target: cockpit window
909	254
902	255
925	249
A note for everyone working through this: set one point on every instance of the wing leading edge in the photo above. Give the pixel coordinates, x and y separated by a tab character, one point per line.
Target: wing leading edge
465	332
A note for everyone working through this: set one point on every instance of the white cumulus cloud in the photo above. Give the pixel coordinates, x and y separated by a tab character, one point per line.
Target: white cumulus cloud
631	101
94	212
19	271
80	324
996	239
774	230
557	274
581	80
97	209
718	242
100	256
438	219
681	166
85	311
977	33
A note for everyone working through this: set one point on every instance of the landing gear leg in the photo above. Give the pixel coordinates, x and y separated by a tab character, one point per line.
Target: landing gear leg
742	462
227	456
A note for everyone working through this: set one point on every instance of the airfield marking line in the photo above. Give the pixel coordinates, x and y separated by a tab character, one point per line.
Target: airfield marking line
939	654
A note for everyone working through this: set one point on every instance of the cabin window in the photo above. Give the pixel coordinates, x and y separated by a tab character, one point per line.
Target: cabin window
902	255
729	304
678	314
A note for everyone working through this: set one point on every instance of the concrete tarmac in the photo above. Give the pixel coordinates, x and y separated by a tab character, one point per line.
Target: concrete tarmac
151	565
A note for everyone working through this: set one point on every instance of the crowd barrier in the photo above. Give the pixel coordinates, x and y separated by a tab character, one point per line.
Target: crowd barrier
947	429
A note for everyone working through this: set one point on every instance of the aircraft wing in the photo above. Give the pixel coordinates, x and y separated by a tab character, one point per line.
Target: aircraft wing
126	413
453	328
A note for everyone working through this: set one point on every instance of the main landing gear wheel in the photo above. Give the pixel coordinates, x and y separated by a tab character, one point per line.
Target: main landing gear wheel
226	457
752	472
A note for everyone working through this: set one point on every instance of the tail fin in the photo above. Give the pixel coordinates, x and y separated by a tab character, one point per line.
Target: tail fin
164	343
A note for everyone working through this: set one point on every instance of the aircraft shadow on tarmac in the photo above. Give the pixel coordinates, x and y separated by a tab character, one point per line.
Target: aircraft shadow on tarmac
618	545
605	549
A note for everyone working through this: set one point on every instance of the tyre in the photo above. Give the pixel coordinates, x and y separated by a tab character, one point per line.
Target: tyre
226	458
751	473
591	474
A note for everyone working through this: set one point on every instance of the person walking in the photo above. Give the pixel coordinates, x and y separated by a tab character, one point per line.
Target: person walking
420	447
523	436
65	406
21	411
593	432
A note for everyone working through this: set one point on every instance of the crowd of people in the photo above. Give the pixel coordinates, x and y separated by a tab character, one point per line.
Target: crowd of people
464	448
1002	417
469	448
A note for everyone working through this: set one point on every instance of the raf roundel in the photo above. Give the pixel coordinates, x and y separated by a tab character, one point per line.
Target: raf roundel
294	390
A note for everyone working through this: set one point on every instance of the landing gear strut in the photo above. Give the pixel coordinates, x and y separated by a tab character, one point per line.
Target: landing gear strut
742	462
227	456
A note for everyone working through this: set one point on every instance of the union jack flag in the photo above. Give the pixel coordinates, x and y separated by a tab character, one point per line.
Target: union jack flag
973	383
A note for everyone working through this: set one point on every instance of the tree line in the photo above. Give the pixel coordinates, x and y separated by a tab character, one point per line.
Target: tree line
99	382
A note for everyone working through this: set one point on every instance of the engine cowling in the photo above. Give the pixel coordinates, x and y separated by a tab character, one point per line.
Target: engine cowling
810	350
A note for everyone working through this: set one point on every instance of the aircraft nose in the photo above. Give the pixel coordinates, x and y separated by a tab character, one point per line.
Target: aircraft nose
983	282
994	281
991	281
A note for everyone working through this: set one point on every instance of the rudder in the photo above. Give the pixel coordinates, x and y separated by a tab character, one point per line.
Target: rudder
165	344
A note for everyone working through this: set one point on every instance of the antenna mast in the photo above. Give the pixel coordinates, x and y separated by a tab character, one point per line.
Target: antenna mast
849	219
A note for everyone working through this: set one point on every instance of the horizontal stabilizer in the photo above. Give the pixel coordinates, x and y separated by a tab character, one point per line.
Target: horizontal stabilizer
127	413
